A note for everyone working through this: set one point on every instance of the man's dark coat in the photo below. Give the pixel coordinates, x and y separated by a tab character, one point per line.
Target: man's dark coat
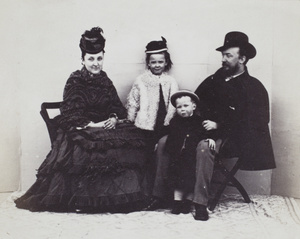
241	107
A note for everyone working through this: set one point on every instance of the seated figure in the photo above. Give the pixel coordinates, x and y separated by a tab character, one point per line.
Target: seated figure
97	162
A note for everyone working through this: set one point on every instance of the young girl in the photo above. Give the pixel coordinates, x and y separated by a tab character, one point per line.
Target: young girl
148	103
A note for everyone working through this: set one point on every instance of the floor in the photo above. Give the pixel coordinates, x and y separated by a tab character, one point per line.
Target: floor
267	217
4	196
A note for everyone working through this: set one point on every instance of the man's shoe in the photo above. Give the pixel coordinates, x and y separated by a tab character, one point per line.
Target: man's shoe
201	212
154	204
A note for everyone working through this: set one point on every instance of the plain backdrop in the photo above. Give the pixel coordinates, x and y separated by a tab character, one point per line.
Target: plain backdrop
39	49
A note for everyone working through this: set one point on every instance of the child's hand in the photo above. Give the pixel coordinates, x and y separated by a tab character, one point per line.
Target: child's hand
211	144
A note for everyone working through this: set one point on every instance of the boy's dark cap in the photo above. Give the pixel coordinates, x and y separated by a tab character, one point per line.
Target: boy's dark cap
181	93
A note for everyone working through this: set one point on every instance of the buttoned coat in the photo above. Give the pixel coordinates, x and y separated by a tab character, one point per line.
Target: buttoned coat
241	107
183	138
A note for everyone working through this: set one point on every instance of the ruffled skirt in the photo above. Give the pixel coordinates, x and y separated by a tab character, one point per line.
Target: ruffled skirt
93	170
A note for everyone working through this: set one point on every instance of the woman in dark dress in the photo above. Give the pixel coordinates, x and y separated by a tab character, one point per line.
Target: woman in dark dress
97	162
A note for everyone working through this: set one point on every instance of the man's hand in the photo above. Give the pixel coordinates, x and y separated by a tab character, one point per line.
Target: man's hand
209	125
211	144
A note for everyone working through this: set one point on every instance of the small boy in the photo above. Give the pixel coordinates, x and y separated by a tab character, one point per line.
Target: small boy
185	132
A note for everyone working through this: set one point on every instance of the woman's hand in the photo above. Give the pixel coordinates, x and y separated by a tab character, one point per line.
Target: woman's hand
99	124
110	123
209	125
106	124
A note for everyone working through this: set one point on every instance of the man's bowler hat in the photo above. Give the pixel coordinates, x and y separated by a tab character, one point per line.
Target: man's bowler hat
238	39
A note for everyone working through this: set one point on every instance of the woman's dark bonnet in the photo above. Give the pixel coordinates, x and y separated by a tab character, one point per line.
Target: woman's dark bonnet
92	41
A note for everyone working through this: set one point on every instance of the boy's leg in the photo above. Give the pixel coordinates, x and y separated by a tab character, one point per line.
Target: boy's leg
178	202
178	195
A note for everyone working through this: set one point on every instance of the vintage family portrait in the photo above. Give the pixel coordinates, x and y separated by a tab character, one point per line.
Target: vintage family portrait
150	119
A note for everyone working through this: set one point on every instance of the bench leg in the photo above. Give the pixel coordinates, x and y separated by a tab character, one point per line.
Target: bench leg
213	202
229	177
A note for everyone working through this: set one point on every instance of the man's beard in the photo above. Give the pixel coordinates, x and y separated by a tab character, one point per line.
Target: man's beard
228	70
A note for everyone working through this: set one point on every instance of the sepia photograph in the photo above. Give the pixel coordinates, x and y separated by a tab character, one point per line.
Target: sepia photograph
150	119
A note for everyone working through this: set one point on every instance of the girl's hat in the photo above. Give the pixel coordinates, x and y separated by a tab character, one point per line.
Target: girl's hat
157	46
181	93
92	41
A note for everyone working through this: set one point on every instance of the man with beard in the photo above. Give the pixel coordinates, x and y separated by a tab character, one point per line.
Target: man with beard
237	105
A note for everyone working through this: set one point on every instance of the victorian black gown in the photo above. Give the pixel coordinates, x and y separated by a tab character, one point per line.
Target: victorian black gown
91	169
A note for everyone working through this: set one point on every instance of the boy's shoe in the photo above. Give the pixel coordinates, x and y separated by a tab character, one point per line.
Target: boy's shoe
186	207
177	207
201	212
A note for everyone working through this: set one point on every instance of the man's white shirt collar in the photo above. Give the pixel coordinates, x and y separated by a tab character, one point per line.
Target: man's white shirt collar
234	76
